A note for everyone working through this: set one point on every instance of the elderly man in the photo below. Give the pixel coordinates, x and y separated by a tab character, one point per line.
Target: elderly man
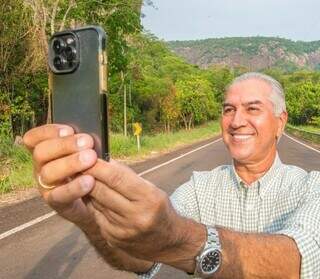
256	218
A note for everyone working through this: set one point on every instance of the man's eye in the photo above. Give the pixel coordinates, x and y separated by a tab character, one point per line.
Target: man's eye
253	109
227	110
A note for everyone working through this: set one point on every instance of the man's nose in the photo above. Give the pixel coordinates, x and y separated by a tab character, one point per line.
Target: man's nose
239	120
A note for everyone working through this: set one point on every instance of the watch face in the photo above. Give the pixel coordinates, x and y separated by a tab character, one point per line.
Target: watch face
211	261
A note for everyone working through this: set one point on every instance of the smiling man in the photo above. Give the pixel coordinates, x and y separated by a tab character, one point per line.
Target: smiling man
255	218
254	117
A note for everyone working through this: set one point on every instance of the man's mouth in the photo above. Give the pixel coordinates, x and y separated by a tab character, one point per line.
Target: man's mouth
241	137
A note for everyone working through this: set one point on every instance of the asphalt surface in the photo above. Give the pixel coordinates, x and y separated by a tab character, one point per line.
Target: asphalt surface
55	248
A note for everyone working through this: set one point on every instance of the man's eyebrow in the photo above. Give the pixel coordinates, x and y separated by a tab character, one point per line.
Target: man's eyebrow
256	102
227	105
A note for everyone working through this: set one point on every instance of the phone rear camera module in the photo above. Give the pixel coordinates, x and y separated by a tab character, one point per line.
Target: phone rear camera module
71	53
64	53
58	45
59	62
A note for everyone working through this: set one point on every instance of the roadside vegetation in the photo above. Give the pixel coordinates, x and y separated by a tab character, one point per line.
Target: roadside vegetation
308	133
126	147
306	128
16	162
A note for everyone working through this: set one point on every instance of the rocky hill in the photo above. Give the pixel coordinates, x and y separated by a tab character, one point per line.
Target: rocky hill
254	53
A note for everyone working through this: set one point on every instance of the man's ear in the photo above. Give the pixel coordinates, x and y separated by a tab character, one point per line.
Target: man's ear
282	121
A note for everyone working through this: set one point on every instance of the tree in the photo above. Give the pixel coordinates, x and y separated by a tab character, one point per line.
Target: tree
14	28
303	102
220	77
170	110
195	100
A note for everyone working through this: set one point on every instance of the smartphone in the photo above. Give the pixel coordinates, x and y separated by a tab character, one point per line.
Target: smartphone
78	83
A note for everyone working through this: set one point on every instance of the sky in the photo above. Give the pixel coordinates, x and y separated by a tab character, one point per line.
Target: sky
201	19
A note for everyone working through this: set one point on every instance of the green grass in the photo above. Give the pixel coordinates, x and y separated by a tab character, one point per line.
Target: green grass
308	128
15	167
16	162
126	148
309	133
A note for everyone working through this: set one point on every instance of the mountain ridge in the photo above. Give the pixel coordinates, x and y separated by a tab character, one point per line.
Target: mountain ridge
254	53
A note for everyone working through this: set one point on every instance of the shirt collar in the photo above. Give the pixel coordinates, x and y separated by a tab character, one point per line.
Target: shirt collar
264	182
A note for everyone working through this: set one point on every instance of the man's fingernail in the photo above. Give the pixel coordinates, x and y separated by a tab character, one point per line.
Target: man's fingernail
64	132
81	142
85	157
86	183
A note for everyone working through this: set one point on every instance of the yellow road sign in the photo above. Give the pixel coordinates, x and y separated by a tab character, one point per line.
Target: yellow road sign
137	129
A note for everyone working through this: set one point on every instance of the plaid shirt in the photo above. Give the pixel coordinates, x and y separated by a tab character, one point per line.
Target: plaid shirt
286	200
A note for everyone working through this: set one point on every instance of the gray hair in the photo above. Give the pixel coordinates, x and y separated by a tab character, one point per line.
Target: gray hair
277	96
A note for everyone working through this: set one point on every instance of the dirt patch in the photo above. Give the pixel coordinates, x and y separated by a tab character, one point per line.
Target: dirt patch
18	196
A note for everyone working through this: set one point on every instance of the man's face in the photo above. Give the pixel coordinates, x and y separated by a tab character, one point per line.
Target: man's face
249	126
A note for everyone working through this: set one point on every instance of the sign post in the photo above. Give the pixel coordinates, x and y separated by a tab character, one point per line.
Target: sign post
137	131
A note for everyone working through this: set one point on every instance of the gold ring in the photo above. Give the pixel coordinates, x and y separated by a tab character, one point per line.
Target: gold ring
44	185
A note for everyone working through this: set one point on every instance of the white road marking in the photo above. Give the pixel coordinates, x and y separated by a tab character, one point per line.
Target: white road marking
27	225
48	215
303	144
177	158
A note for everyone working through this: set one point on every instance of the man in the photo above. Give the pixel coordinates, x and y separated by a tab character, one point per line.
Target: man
256	218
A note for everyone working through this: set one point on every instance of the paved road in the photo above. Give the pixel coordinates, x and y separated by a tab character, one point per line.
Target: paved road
57	249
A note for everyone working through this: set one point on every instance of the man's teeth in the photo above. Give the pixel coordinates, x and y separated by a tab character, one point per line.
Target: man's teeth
242	137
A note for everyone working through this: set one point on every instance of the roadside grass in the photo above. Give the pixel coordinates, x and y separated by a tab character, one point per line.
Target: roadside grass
15	167
126	148
306	132
308	128
16	162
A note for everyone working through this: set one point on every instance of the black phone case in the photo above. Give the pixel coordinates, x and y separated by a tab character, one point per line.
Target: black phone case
79	99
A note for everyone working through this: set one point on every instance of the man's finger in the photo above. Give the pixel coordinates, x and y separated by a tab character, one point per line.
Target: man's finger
113	217
110	199
60	169
110	232
65	195
45	132
121	179
55	148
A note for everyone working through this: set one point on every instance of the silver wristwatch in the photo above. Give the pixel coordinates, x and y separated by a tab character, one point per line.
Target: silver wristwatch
209	259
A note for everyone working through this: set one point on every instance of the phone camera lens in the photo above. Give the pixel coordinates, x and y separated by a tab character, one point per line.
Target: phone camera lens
58	45
59	62
70	41
71	53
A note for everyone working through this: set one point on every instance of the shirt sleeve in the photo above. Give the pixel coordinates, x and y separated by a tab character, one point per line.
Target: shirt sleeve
184	200
304	228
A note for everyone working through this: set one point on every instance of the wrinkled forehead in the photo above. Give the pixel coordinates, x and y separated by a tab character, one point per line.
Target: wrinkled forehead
248	91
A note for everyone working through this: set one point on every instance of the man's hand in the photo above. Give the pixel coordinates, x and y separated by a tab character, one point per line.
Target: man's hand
59	157
138	217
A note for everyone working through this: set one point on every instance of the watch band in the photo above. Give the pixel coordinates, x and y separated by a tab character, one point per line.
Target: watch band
212	238
212	244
